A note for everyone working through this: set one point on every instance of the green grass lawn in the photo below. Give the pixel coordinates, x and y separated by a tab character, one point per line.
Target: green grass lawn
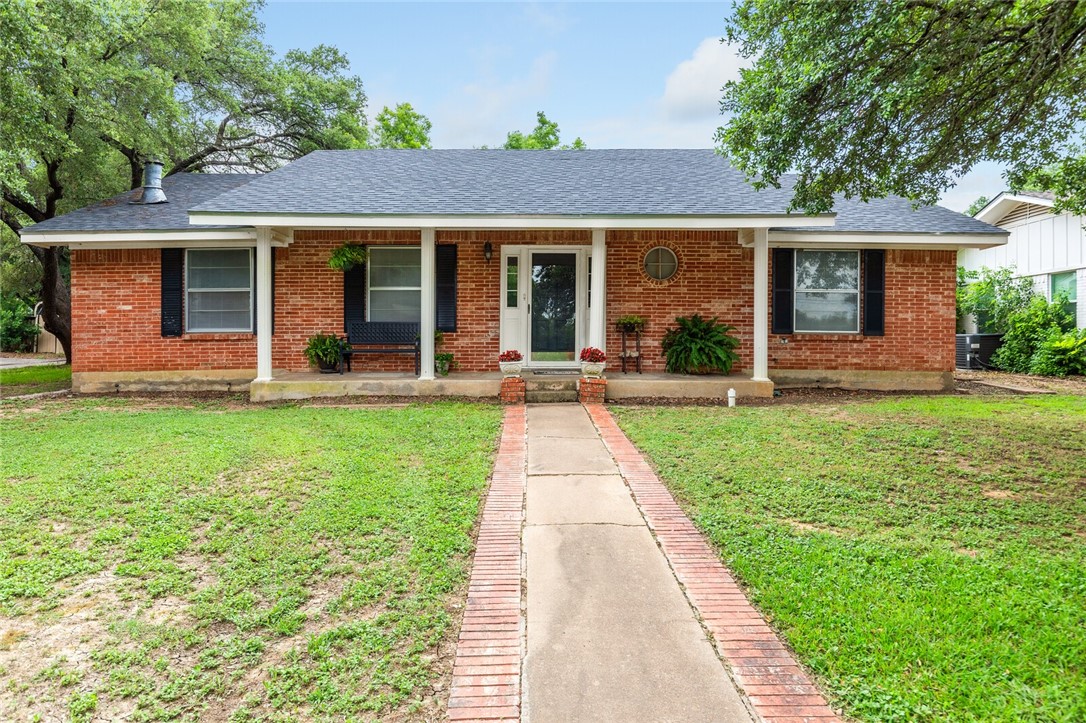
31	380
925	556
217	561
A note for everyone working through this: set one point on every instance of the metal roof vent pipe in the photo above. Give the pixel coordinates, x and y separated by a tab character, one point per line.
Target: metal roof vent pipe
152	184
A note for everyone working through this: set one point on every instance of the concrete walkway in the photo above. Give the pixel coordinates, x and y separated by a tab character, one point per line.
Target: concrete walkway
610	634
17	362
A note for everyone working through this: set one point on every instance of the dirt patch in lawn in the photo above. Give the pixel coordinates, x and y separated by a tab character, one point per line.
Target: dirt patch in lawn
977	382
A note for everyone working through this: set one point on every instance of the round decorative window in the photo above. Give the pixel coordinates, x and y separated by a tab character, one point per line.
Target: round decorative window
661	263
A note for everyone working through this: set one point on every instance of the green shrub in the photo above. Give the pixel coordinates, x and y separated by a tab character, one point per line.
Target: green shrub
18	332
1027	329
1060	354
991	297
699	346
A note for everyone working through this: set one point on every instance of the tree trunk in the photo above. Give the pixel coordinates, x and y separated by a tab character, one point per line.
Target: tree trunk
56	308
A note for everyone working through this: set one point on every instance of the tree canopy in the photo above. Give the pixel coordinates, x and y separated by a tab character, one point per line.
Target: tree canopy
869	99
401	127
545	136
92	90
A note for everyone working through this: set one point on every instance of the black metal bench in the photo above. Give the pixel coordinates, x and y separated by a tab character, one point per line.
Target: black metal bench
380	337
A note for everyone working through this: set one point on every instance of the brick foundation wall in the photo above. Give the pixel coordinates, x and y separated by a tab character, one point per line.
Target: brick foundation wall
116	305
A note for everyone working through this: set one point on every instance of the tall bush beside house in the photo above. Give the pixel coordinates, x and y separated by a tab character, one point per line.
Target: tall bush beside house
699	346
991	297
18	332
1061	354
1028	330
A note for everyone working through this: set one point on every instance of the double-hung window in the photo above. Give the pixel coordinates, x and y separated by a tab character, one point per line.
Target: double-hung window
219	290
395	283
827	291
1066	284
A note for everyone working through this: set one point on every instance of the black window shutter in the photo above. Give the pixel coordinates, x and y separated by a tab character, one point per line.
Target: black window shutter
783	291
173	291
445	294
354	296
874	292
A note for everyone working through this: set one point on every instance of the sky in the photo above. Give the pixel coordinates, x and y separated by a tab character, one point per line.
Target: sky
616	74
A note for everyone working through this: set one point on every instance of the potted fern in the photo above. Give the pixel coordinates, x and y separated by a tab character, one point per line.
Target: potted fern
322	351
700	346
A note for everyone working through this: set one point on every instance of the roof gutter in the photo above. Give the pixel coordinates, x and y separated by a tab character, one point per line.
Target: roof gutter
535	222
886	240
193	238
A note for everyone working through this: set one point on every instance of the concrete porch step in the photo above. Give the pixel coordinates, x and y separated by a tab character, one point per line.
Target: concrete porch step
550	396
553	384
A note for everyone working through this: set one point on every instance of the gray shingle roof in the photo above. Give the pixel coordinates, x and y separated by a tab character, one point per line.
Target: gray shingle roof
498	182
1047	195
897	215
183	191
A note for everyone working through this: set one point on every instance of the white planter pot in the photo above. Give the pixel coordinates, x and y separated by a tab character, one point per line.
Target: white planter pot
592	370
511	369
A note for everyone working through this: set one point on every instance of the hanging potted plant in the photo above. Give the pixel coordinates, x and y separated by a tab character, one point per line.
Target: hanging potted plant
593	361
323	350
511	362
346	257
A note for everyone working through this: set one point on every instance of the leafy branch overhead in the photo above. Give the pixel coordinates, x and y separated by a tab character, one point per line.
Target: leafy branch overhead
94	89
903	96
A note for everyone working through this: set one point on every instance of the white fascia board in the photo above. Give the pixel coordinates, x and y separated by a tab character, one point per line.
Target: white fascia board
321	221
146	239
998	207
933	241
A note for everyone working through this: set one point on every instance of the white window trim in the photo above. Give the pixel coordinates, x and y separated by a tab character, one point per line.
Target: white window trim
188	307
796	292
1074	278
369	285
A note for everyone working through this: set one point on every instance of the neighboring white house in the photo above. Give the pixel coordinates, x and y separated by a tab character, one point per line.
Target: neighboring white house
1049	248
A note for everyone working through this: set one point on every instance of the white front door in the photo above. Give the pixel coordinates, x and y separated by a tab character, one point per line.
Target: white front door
545	303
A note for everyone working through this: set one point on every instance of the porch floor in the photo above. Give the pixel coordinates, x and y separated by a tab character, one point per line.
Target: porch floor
304	385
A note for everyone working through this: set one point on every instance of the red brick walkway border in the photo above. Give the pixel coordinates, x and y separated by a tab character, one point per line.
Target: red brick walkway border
486	672
778	689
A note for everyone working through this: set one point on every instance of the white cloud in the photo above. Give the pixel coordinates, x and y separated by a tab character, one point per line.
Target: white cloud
693	89
552	18
986	179
483	111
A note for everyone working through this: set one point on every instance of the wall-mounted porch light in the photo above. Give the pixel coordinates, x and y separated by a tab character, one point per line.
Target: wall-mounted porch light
488	251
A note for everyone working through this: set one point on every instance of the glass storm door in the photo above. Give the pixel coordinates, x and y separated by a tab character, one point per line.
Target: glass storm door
553	307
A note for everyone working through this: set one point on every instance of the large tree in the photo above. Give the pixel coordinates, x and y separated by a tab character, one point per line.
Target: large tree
401	127
901	97
92	90
544	137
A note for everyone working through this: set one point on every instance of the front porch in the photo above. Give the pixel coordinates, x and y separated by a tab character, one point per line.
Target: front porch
305	385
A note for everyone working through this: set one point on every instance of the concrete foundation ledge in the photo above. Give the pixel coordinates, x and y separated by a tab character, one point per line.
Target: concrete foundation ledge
881	381
204	380
674	386
333	385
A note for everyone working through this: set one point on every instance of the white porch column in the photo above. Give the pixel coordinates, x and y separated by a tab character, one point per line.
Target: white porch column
429	306
263	305
597	317
761	304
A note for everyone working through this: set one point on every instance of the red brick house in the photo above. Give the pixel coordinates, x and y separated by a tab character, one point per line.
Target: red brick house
222	284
